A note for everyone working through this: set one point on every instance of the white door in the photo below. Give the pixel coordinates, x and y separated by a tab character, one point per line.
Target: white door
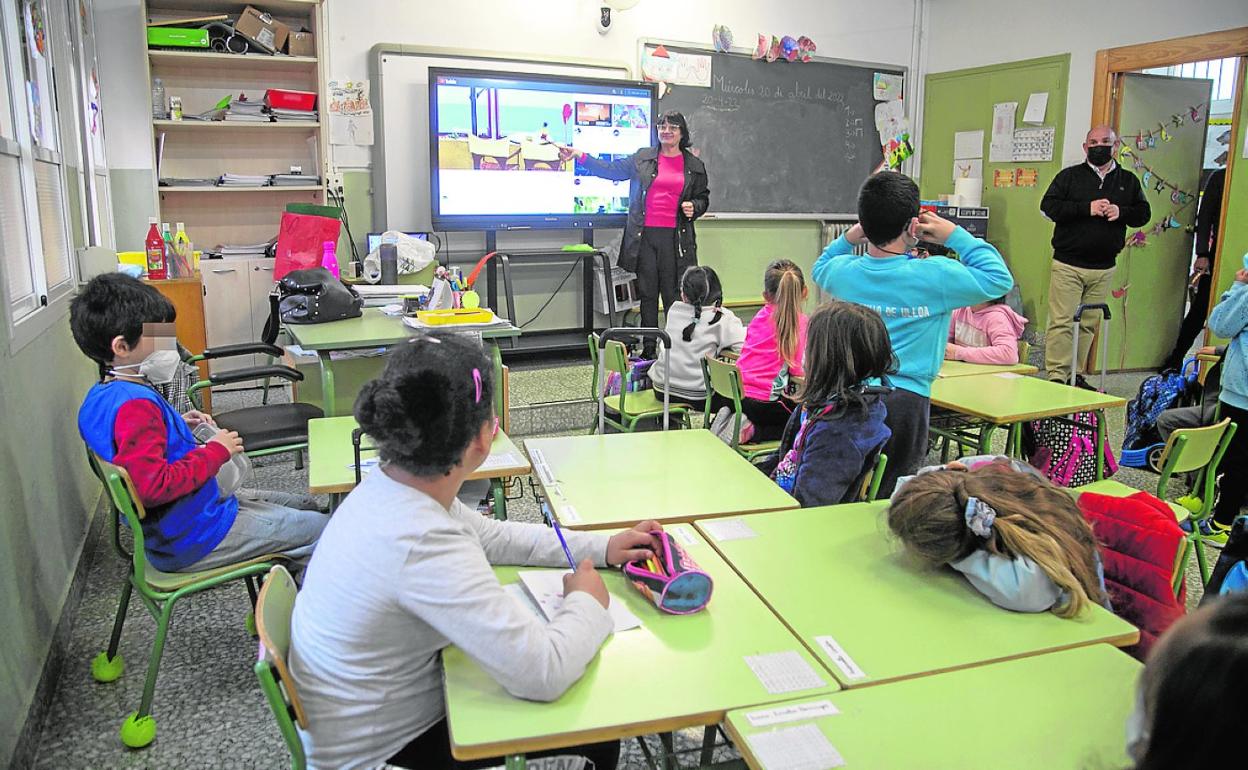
227	308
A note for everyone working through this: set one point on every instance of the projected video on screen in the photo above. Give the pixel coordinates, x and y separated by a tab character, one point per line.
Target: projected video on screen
494	148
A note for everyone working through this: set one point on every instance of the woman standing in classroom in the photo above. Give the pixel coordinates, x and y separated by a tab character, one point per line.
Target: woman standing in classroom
669	191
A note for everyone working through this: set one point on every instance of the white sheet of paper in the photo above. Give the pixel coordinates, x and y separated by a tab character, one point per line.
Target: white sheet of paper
1001	148
794	713
729	529
1037	105
968	168
350	112
504	460
841	658
795	748
546	588
968	144
886	86
782	672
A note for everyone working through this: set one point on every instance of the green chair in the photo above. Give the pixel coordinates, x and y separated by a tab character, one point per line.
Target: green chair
870	485
1197	451
273	609
724	378
160	591
626	410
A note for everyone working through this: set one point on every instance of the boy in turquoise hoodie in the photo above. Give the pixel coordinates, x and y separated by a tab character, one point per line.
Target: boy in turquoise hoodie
915	297
1229	319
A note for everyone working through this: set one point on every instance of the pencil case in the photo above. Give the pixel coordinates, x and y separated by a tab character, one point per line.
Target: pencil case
671	579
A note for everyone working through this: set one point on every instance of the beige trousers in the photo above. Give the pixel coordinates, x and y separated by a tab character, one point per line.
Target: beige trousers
1070	287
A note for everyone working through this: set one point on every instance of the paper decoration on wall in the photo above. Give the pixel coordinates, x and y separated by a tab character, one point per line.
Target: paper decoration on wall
968	144
1026	177
1003	177
1147	139
894	130
350	113
886	86
1034	144
1037	106
1001	147
721	38
968	168
786	48
674	68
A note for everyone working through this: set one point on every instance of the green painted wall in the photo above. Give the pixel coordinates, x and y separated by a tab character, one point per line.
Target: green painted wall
47	496
1235	235
962	100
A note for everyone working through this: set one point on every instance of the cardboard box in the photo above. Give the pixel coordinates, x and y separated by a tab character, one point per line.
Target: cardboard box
301	44
262	29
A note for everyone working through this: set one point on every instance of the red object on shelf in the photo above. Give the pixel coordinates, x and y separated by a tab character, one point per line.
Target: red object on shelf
290	100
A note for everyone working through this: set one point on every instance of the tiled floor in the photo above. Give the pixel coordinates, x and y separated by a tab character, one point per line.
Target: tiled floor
208	706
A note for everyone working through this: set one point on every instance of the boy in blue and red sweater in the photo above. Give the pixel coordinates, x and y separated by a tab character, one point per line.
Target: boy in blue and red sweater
121	323
915	297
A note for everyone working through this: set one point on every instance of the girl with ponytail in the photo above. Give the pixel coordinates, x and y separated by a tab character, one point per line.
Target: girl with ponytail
774	343
1018	539
699	327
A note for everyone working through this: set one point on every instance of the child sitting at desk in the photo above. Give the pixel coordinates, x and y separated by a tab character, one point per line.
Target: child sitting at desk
1021	541
191	523
986	333
404	570
772	352
840	426
699	327
1197	669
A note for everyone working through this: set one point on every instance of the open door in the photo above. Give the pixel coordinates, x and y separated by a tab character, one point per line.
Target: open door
1161	127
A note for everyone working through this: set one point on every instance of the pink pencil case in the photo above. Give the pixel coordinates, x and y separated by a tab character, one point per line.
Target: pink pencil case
671	579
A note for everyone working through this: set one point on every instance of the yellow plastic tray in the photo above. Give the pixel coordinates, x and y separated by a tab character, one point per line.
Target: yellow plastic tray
455	316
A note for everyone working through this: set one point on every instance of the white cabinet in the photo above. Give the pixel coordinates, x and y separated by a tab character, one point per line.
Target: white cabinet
236	306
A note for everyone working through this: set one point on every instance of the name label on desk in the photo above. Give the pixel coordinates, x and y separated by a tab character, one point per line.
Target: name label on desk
684	535
568	514
780	715
841	658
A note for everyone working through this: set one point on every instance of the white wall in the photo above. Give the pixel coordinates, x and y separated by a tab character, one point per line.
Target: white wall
125	94
974	33
844	29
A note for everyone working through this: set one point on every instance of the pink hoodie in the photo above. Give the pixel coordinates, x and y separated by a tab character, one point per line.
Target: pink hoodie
760	361
988	336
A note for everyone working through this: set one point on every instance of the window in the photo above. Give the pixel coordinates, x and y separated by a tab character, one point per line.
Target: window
47	167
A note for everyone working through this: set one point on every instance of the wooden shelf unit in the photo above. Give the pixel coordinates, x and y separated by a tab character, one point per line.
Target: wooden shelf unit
208	149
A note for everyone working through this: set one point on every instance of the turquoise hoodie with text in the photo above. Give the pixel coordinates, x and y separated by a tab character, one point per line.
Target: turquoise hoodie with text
1230	319
915	297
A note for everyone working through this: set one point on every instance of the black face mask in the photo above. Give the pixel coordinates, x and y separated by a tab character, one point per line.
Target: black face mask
1100	154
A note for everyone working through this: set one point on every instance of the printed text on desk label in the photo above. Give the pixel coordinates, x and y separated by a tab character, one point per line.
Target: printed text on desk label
796	713
685	536
841	658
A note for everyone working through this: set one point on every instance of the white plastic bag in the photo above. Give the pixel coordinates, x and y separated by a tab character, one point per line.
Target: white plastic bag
415	255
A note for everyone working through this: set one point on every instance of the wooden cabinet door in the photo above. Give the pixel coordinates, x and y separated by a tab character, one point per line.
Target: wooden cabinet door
227	308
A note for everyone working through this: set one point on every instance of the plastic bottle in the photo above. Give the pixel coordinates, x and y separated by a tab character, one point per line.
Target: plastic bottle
159	106
184	251
155	245
329	257
389	255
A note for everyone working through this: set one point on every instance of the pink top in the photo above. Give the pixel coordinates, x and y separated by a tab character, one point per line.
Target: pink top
663	198
988	336
760	361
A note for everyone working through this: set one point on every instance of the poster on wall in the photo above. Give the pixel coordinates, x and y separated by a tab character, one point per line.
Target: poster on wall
1001	148
350	113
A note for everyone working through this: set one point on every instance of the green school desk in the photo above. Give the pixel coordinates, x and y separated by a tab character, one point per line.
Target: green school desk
375	329
964	369
872	614
675	671
1010	399
617	480
1066	709
331	458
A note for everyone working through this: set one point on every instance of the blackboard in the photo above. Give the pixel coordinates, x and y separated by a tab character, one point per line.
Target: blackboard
782	137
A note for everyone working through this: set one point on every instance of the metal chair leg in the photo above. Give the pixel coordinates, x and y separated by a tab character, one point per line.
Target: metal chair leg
114	641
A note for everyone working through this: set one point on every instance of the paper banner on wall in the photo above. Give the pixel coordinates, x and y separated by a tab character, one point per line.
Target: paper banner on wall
1034	144
1001	148
350	113
684	69
887	87
894	129
968	144
1037	106
968	168
1026	177
1003	177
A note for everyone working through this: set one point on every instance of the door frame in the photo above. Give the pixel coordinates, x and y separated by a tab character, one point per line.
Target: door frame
1112	63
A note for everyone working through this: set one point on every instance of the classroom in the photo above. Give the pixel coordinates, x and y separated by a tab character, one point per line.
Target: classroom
623	383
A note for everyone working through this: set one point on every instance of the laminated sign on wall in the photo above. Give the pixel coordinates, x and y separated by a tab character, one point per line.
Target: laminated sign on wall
350	113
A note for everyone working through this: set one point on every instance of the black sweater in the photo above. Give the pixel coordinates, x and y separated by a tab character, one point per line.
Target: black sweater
1081	239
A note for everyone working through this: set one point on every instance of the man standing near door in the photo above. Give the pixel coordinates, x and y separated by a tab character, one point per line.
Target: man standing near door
1091	206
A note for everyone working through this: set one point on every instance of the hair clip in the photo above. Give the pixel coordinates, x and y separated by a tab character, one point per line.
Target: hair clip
476	379
979	517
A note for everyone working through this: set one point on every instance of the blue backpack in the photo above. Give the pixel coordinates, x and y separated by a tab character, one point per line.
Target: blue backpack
1157	394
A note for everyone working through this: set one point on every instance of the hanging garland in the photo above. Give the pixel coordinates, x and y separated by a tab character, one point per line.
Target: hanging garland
1147	140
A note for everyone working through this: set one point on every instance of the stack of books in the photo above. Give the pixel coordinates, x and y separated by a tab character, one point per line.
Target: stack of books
240	250
241	111
294	180
243	180
283	115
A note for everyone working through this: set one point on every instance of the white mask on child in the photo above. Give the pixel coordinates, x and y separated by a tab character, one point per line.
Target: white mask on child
159	368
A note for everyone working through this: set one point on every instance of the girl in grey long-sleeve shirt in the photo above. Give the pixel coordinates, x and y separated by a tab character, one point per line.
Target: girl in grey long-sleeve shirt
404	569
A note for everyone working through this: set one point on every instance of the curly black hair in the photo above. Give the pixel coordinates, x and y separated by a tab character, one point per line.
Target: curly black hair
424	409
